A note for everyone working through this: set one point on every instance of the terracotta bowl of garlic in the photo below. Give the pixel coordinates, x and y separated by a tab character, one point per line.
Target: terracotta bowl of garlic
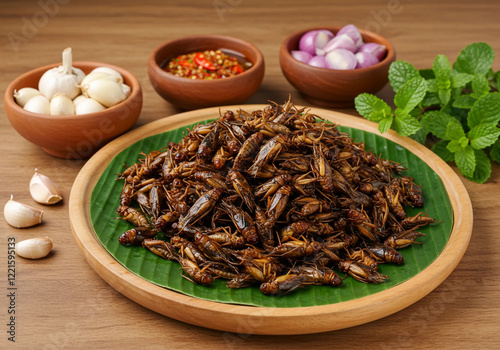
72	109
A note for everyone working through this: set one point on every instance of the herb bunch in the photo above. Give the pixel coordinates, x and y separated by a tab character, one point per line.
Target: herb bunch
455	110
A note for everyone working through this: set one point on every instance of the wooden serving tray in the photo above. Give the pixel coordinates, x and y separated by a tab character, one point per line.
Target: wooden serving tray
265	320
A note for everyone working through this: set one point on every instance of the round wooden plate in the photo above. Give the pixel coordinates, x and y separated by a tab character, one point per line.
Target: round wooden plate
264	320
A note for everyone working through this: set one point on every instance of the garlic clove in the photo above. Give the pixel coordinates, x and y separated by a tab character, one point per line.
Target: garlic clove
126	89
96	75
88	105
20	215
34	248
38	104
61	105
106	92
78	99
44	190
24	95
109	71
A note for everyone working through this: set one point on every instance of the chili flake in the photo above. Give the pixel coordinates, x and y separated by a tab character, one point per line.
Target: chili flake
212	64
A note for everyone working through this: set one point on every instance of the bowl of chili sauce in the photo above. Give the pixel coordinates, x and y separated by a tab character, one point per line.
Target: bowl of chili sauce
206	70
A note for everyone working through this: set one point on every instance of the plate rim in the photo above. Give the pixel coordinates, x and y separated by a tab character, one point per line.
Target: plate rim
255	319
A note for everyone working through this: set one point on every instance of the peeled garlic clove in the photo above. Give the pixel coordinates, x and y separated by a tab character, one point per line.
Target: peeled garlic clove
38	104
61	105
34	248
78	99
126	89
97	75
21	215
104	91
44	190
24	95
109	71
88	105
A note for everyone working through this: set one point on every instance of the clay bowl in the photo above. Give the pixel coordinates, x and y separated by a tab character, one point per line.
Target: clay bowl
334	88
191	94
79	136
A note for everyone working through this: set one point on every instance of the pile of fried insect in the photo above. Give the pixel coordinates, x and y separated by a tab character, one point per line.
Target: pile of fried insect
276	198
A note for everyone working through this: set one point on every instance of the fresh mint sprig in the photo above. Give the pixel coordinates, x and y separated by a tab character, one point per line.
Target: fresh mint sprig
459	105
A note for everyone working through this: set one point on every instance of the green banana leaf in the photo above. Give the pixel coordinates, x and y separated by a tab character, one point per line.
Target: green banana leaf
105	200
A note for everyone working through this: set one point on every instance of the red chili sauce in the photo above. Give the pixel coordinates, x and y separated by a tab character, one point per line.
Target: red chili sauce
211	64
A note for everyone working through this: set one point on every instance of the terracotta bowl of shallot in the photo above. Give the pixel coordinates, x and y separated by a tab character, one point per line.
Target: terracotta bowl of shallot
73	136
319	66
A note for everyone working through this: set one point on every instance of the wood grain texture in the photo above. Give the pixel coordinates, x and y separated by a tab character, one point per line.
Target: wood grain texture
62	303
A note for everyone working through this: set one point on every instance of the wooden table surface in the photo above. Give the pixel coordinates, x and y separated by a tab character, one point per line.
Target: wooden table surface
61	303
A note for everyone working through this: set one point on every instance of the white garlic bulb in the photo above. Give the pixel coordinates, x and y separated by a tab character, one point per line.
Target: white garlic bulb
107	92
61	105
21	215
44	190
34	248
88	105
38	104
24	95
63	79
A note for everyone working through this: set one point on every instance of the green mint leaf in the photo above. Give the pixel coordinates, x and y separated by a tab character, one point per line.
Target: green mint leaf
497	79
459	80
454	130
490	75
483	135
410	94
454	146
436	122
464	102
480	86
366	104
442	68
400	72
385	124
465	159
476	58
482	172
455	92
404	123
485	110
420	136
442	151
378	115
432	85
463	141
427	74
430	99
457	113
444	96
495	152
